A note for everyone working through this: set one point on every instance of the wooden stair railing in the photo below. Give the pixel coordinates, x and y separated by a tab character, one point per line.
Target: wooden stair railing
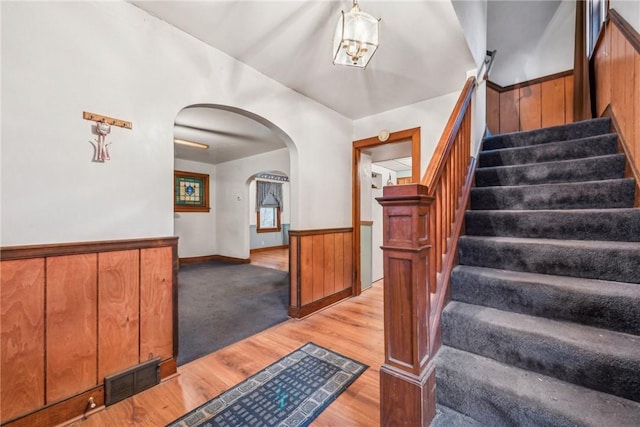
421	226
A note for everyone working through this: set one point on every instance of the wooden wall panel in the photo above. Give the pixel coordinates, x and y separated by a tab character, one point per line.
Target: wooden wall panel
636	114
340	262
329	264
71	324
617	82
552	98
568	99
118	308
493	110
22	335
509	111
156	303
318	266
348	261
306	270
293	270
323	262
533	104
530	107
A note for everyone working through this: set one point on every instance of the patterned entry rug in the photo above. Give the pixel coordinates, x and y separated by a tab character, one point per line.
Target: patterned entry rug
290	392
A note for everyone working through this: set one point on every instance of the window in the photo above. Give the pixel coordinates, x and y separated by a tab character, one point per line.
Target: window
268	220
268	206
191	192
596	14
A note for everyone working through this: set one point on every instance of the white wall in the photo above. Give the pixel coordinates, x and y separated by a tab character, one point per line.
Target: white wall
111	58
629	10
431	116
533	39
197	230
233	197
473	19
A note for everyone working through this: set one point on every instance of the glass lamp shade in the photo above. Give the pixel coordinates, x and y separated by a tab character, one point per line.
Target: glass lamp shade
356	38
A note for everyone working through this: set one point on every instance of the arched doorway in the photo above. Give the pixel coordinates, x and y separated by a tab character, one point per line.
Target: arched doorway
227	145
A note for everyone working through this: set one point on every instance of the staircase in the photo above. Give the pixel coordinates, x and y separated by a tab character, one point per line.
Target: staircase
544	324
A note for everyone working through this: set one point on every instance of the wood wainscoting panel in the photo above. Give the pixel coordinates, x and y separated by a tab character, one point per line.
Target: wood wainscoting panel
552	98
348	267
321	269
118	311
293	271
493	110
617	82
530	107
568	99
339	257
22	336
71	324
318	265
545	101
156	303
329	264
306	270
510	111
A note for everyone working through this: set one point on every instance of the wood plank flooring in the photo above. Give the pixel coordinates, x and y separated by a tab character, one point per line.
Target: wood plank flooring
353	328
277	259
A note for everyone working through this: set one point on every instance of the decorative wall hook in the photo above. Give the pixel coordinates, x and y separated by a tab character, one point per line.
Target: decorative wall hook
103	128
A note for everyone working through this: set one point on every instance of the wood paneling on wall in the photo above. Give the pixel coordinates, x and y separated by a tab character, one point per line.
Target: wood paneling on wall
72	313
546	101
321	268
75	312
22	352
617	82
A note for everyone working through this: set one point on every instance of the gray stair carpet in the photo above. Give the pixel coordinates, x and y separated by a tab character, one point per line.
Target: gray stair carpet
544	324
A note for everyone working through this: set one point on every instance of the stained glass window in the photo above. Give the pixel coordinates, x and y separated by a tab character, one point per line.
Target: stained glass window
191	192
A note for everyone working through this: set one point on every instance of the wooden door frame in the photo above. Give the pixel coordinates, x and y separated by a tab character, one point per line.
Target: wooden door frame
412	134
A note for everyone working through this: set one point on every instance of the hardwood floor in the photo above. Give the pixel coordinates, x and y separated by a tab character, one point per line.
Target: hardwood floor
353	328
277	259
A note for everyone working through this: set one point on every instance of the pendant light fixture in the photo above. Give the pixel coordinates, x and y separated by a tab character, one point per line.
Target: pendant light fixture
356	38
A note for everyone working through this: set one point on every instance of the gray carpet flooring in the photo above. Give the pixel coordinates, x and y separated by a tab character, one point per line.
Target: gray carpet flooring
221	303
543	326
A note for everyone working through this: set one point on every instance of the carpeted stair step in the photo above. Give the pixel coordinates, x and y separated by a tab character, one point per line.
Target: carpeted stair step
615	261
588	224
600	145
500	395
447	417
599	359
612	193
599	303
549	134
580	170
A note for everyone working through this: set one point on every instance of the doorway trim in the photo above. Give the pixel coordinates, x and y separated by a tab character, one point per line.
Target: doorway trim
395	137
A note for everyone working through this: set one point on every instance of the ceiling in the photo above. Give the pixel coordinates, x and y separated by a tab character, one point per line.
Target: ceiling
422	54
229	135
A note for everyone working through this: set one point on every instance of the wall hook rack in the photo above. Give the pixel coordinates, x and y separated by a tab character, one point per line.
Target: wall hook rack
103	128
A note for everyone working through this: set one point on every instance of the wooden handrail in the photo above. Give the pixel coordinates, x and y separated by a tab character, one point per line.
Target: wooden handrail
421	226
448	136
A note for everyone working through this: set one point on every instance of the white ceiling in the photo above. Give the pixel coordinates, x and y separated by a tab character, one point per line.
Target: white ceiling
422	54
228	134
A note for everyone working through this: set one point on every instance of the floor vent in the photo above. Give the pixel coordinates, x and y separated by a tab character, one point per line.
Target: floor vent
133	380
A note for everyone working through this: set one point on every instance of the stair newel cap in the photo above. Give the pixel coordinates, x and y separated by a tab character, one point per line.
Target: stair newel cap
405	194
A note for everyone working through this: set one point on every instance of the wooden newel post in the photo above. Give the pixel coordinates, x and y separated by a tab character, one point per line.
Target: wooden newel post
407	380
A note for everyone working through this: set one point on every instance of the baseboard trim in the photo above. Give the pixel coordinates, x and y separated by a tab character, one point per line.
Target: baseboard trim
314	306
270	248
205	258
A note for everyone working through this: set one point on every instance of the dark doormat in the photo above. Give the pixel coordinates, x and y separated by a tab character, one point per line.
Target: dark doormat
221	303
291	392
